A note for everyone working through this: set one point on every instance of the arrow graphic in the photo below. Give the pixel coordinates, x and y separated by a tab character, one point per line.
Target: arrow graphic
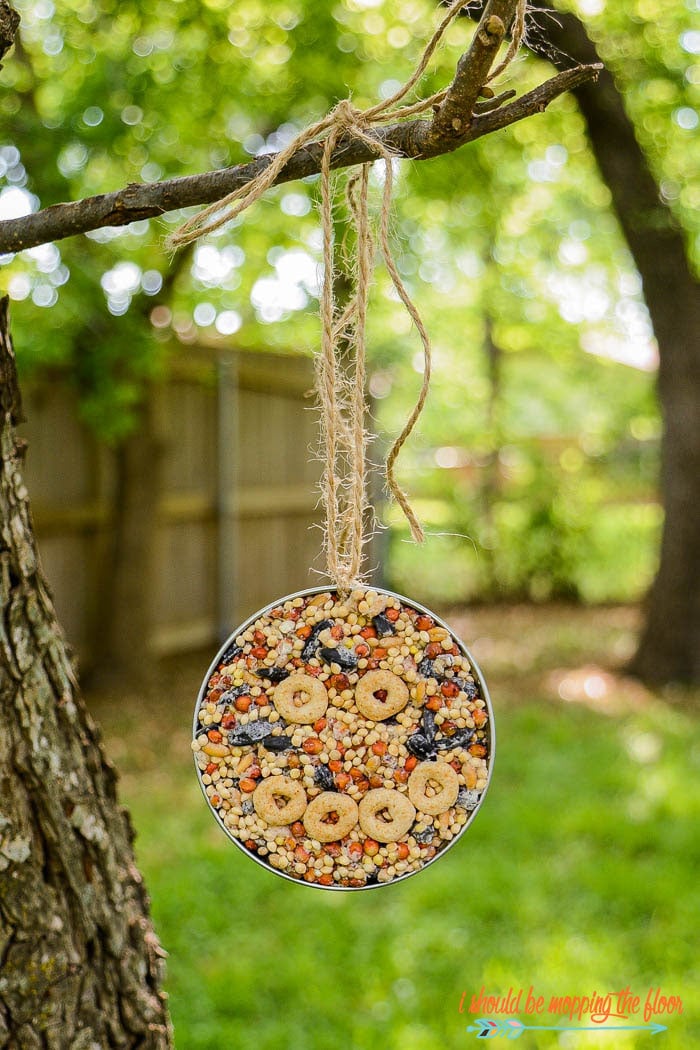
512	1028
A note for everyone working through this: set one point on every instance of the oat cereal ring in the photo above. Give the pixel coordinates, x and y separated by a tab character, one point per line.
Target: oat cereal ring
435	773
301	698
330	816
380	694
279	787
386	814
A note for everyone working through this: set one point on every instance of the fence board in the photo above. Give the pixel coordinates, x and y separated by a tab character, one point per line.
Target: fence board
238	494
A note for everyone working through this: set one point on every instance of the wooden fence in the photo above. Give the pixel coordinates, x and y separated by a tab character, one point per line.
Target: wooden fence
237	506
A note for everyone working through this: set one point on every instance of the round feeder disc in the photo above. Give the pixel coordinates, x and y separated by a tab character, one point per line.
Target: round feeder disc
345	741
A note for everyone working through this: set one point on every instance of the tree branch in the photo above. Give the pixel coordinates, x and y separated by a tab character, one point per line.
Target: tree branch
473	70
415	139
535	101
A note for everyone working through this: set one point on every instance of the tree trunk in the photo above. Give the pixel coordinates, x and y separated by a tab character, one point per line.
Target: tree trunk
81	965
669	648
123	623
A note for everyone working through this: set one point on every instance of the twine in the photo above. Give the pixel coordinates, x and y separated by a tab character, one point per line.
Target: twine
341	391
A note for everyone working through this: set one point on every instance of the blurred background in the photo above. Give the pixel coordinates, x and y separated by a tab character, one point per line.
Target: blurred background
174	484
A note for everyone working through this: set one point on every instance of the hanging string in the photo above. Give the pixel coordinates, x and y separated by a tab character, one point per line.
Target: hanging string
358	188
341	388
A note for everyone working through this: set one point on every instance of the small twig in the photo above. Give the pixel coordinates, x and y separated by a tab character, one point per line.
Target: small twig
494	101
535	101
413	139
473	70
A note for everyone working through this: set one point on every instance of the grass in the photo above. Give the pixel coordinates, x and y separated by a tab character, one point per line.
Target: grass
578	876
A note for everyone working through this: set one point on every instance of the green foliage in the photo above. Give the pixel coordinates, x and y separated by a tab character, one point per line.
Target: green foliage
513	236
653	50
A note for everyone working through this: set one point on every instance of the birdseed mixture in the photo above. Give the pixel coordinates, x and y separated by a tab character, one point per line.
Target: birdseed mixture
344	742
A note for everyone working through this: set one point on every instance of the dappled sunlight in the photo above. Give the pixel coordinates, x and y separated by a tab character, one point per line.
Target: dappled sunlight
518	640
601	690
533	468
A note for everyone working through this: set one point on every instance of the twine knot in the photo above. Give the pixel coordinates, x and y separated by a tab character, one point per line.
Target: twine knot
347	117
341	391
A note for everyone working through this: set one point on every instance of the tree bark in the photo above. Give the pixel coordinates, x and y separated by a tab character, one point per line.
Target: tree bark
669	647
9	21
81	964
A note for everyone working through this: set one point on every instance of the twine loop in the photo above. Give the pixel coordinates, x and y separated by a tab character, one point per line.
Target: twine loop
340	366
